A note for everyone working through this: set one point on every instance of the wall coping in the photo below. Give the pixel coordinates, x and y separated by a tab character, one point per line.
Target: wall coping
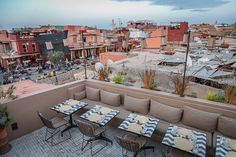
168	95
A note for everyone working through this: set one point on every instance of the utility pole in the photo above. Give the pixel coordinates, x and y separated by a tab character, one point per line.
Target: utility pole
82	31
185	66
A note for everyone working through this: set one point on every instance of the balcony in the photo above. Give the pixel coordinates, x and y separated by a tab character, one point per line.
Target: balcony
28	139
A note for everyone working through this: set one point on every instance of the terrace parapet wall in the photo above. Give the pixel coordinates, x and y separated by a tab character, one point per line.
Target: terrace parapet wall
23	110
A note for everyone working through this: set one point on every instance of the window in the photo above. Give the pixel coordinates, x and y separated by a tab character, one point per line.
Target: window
49	45
24	48
84	39
34	47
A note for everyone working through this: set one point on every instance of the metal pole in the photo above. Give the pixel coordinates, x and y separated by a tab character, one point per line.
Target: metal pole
185	66
85	61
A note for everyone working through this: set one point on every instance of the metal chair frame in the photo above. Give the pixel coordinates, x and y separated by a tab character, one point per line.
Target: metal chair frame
92	138
51	131
125	151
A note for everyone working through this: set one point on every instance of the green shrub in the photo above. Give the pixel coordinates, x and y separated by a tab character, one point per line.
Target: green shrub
154	85
122	73
4	117
212	96
193	95
118	79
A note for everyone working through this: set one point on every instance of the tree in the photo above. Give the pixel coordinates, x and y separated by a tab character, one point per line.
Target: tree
55	57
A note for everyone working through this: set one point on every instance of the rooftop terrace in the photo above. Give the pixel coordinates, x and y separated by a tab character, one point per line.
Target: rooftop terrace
28	139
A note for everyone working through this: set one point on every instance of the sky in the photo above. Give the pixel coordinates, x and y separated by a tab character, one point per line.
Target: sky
30	13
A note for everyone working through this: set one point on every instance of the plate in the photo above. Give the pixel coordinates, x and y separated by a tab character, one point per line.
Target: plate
183	144
94	117
105	110
64	108
232	144
185	132
142	119
135	128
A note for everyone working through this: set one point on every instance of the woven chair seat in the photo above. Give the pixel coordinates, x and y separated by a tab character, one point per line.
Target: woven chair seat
140	140
58	122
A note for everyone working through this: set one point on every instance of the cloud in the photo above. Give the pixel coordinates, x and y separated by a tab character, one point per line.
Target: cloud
200	10
193	5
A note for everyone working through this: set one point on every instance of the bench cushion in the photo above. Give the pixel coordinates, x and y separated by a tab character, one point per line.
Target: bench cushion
92	94
227	126
165	112
200	119
110	98
80	95
71	91
136	105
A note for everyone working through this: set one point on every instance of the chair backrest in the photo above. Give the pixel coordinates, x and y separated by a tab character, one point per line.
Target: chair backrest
45	121
129	145
85	128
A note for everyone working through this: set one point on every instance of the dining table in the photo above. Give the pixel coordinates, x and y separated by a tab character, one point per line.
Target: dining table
140	125
101	116
225	146
68	108
187	140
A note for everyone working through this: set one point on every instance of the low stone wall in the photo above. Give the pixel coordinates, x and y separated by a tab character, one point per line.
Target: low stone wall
23	110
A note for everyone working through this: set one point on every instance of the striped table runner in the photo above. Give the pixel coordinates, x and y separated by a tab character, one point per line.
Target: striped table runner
71	108
222	147
199	147
150	125
105	117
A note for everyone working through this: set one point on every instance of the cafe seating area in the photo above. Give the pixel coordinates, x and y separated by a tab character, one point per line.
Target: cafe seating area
135	123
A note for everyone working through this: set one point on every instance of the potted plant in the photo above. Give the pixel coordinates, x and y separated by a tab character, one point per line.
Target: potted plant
5	118
4	121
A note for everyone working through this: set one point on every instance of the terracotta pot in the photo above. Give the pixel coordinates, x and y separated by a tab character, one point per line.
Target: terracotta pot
4	146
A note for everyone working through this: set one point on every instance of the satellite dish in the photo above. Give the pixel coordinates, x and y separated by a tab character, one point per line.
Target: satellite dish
109	63
99	66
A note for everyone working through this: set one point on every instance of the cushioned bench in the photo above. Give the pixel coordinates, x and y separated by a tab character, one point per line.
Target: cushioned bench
212	124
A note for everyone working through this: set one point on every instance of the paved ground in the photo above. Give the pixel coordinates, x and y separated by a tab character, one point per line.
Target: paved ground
33	145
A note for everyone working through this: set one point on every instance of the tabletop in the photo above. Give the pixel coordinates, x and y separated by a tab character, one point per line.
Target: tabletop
193	142
100	115
69	106
139	124
225	147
